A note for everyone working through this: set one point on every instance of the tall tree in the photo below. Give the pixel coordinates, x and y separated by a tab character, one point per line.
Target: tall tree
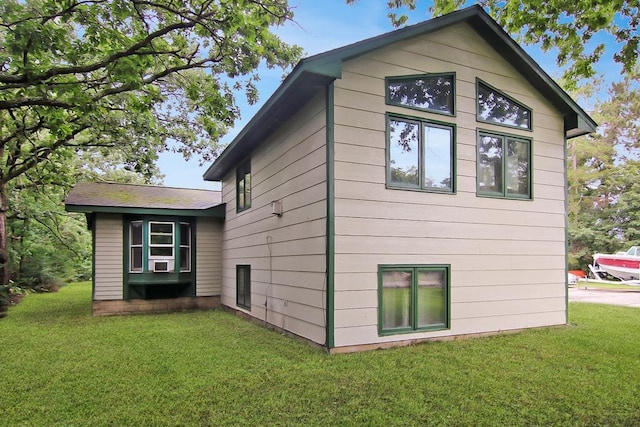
47	244
127	75
604	176
570	27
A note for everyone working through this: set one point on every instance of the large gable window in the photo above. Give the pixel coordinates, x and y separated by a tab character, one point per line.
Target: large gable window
243	186
430	92
504	166
420	154
496	107
413	298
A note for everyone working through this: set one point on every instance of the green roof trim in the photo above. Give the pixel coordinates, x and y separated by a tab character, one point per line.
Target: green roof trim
214	212
313	74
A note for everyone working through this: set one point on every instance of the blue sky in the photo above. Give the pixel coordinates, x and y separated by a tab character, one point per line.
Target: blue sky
321	25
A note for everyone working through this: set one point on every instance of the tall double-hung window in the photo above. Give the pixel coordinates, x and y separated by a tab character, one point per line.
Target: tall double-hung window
421	151
503	160
420	154
504	165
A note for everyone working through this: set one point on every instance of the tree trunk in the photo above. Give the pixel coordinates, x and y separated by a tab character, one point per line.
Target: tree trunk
25	229
4	248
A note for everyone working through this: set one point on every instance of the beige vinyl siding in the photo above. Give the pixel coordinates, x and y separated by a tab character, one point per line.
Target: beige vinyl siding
506	256
109	249
208	257
287	253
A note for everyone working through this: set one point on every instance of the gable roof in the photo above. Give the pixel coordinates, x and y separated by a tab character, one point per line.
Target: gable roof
313	74
143	199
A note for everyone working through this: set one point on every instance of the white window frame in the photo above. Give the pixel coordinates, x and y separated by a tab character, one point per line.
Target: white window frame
162	245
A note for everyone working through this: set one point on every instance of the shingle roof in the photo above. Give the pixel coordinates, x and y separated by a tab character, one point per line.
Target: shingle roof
91	196
317	72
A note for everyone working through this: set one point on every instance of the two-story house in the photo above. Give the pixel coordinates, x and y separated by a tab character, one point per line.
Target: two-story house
407	187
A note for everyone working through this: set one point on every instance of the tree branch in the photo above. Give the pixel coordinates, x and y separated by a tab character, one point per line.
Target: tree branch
33	102
79	69
40	155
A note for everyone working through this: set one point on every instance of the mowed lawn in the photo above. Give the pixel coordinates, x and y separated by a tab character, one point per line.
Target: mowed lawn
61	366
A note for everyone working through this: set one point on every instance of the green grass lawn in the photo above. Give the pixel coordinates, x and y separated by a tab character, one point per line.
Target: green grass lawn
61	366
594	284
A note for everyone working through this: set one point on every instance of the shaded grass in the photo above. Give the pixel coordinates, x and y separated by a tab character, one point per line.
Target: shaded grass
60	366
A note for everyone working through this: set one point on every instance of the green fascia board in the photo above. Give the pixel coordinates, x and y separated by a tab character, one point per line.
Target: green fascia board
214	212
320	70
298	88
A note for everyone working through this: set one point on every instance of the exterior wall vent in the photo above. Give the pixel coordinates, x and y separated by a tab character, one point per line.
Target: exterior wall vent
276	207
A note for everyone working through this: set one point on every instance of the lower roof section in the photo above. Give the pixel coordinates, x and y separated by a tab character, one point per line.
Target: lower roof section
111	197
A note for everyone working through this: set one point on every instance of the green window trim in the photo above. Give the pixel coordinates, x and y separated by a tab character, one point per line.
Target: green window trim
435	172
413	298
444	105
508	179
185	247
243	186
145	237
136	246
508	102
243	286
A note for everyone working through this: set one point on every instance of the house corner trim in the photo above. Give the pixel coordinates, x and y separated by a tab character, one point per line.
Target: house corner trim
330	221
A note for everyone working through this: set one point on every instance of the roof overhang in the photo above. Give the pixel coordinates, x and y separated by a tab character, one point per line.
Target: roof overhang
217	211
299	87
576	121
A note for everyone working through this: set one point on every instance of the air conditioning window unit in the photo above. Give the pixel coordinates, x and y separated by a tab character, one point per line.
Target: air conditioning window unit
161	265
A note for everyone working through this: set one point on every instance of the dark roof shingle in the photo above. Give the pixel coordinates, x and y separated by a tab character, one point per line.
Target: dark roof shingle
114	195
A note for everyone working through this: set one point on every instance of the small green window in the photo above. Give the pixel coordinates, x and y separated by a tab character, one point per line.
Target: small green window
429	92
499	108
420	155
504	166
413	298
135	246
243	286
185	247
243	187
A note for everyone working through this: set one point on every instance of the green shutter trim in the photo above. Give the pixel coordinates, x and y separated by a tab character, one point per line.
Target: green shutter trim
330	240
91	219
125	256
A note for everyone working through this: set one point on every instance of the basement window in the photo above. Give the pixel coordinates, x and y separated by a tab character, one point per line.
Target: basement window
413	298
